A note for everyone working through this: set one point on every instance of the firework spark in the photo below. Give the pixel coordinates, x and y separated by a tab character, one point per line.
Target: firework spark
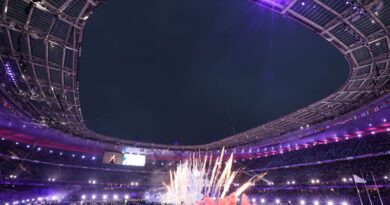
200	178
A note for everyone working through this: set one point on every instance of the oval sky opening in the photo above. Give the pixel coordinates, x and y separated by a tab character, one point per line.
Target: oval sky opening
195	72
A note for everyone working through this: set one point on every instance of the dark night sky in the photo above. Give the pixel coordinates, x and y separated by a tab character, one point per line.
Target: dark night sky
188	72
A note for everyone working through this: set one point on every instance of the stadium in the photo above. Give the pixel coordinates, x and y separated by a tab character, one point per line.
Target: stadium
335	151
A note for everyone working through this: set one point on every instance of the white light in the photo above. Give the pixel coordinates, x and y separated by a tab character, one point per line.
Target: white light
253	200
93	158
54	198
134	160
277	201
344	203
83	157
302	202
39	198
344	179
317	181
104	196
126	196
313	181
94	196
262	200
330	203
115	197
83	197
316	202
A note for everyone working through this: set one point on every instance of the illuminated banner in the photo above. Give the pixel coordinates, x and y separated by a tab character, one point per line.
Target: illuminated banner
134	160
112	158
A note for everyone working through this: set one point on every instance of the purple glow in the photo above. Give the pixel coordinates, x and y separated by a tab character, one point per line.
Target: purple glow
9	72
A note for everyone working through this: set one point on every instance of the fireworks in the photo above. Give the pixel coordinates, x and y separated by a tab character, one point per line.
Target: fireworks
199	179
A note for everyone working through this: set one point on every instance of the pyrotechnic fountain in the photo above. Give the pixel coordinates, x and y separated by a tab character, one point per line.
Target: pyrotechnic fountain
201	180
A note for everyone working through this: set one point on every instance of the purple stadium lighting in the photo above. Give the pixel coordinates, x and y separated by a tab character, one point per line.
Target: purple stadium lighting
9	72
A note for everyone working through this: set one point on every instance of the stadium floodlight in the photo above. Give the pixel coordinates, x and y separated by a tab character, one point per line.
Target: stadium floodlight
302	202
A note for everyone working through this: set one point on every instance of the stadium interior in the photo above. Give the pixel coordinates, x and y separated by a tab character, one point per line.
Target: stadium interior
335	151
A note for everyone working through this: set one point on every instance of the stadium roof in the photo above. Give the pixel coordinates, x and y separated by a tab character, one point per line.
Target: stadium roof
41	42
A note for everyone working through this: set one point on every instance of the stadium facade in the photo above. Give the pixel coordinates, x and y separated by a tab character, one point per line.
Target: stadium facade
40	47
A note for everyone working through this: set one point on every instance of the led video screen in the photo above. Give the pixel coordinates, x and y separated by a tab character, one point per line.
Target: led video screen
134	160
112	158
